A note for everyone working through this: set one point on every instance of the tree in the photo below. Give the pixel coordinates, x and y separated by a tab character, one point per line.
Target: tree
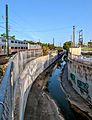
51	46
13	37
4	35
90	43
45	48
67	45
31	42
59	49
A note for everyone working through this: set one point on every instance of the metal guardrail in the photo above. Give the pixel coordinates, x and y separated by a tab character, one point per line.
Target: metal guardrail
6	94
80	60
73	56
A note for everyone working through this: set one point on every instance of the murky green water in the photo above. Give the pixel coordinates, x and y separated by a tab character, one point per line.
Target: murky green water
56	92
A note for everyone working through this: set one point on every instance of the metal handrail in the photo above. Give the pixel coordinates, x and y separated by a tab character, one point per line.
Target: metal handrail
79	61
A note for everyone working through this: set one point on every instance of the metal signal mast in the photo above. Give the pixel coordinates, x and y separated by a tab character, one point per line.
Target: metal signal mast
80	37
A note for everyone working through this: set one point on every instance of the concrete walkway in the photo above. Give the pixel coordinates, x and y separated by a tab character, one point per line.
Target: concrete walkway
74	98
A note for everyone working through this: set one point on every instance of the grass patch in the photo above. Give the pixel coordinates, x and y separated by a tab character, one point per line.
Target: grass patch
86	49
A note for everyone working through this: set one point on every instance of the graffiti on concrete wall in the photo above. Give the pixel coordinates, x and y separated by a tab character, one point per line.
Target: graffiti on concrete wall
83	87
73	77
80	80
88	99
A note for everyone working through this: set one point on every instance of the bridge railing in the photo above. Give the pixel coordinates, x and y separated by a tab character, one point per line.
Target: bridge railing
81	59
6	95
73	56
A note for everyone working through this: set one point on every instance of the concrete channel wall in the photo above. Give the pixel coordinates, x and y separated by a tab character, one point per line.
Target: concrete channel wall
25	80
23	68
8	83
80	76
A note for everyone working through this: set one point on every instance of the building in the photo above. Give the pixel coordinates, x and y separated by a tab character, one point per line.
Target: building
36	47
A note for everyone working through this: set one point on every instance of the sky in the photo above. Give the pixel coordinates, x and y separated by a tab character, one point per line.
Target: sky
43	20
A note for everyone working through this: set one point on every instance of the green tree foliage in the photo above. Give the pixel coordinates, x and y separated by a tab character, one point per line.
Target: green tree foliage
59	49
67	45
51	46
45	48
13	37
4	35
31	42
90	43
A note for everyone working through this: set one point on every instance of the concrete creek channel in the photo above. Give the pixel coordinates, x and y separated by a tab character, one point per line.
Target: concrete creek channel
47	101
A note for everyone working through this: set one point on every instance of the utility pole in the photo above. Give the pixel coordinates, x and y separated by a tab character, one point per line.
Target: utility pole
53	41
80	37
60	44
39	40
7	41
73	36
71	41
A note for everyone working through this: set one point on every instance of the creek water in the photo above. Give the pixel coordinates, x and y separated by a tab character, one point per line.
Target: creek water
56	92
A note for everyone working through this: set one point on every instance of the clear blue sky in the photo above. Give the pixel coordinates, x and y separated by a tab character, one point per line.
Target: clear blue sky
45	19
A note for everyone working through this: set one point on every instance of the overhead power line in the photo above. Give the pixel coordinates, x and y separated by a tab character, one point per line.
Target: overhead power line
2	27
2	22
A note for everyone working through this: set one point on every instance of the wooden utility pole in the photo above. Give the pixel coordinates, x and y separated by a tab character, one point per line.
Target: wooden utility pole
7	41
